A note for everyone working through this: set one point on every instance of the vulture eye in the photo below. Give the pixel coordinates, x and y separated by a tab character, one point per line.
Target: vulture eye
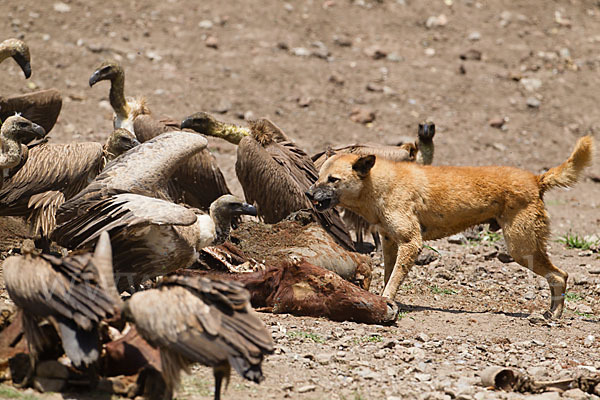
23	125
332	179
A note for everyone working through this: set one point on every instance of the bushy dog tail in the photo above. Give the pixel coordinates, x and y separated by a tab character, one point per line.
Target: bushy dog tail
567	173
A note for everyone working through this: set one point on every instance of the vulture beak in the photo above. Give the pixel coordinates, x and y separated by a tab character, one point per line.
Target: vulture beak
248	209
95	78
39	132
24	64
187	123
134	143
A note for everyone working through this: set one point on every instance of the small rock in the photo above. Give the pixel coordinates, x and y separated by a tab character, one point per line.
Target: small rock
584	309
394	57
497	122
504	257
212	42
205	24
223	107
532	102
564	53
390	344
423	337
423	377
306	389
300	52
373	87
283	46
529	296
594	271
324	358
380	354
589	340
366	373
544	396
531	84
342	41
474	36
337	79
61	7
536	318
576	394
471	54
459	238
248	116
436	21
304	101
375	52
362	116
321	50
430	52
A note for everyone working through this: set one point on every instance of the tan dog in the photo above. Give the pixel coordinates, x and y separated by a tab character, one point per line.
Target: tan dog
412	203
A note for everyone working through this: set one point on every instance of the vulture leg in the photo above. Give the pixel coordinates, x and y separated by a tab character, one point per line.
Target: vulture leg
376	240
220	372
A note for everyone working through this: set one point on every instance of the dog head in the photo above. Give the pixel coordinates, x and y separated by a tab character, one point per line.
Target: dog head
341	180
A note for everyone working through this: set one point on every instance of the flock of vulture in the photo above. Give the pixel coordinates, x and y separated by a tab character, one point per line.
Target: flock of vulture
141	206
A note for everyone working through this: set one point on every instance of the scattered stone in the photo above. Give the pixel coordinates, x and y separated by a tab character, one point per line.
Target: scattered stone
531	84
536	318
283	46
222	107
532	102
589	340
564	53
474	36
248	116
362	116
337	79
471	54
584	309
504	257
430	52
459	238
394	57
304	101
594	271
529	296
423	337
321	51
373	87
205	24
342	41
423	377
375	52
212	42
306	389
366	373
497	122
575	394
324	358
61	7
300	51
544	396
436	21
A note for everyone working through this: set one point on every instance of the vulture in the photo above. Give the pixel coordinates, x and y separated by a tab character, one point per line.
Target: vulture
69	293
54	173
150	234
273	171
41	107
14	133
199	181
420	151
198	320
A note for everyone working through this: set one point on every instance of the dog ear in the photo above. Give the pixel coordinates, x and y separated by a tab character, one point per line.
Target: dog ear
363	165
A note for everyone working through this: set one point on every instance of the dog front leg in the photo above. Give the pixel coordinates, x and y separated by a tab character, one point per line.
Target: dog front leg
390	252
405	258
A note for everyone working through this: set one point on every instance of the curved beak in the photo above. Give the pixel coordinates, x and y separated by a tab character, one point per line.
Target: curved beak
187	123
24	64
38	130
94	78
248	209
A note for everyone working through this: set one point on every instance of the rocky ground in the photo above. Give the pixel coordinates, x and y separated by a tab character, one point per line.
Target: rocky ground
506	82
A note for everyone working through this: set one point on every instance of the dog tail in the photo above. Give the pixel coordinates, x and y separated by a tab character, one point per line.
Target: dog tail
567	173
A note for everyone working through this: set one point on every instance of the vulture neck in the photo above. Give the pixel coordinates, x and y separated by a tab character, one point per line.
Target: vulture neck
117	95
10	152
5	51
425	154
222	226
232	133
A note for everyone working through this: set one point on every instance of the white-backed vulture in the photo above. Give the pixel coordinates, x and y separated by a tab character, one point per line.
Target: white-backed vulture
54	173
199	181
197	320
14	132
41	107
69	293
273	171
420	151
151	235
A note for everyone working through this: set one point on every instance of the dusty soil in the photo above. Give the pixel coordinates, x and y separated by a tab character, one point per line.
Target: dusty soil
308	65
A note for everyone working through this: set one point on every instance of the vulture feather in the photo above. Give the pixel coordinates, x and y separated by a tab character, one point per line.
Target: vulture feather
197	320
41	107
150	234
273	171
54	173
69	293
199	181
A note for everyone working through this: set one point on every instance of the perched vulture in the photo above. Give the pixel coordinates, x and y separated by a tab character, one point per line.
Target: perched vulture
69	293
199	181
54	173
16	131
273	171
151	235
420	151
126	110
197	320
41	107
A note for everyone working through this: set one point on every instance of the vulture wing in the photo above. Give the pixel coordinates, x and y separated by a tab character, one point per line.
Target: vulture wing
41	107
52	174
405	152
199	181
204	321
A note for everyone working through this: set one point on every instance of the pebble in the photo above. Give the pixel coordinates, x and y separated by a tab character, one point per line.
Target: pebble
536	318
430	52
223	107
324	358
304	101
205	24
362	116
307	388
423	377
544	396
300	52
531	84
342	41
459	238
212	42
576	394
471	54
532	102
375	52
423	337
436	21
337	79
474	36
61	7
497	122
589	340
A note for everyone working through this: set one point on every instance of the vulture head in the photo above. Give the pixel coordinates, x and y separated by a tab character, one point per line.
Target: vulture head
19	51
21	130
208	125
119	142
107	71
224	210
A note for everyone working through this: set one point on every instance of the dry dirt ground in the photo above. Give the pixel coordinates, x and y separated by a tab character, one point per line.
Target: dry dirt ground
531	66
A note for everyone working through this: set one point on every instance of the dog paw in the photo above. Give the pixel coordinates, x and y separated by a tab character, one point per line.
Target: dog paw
392	312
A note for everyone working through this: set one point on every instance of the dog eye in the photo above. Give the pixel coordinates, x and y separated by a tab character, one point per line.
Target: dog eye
332	179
